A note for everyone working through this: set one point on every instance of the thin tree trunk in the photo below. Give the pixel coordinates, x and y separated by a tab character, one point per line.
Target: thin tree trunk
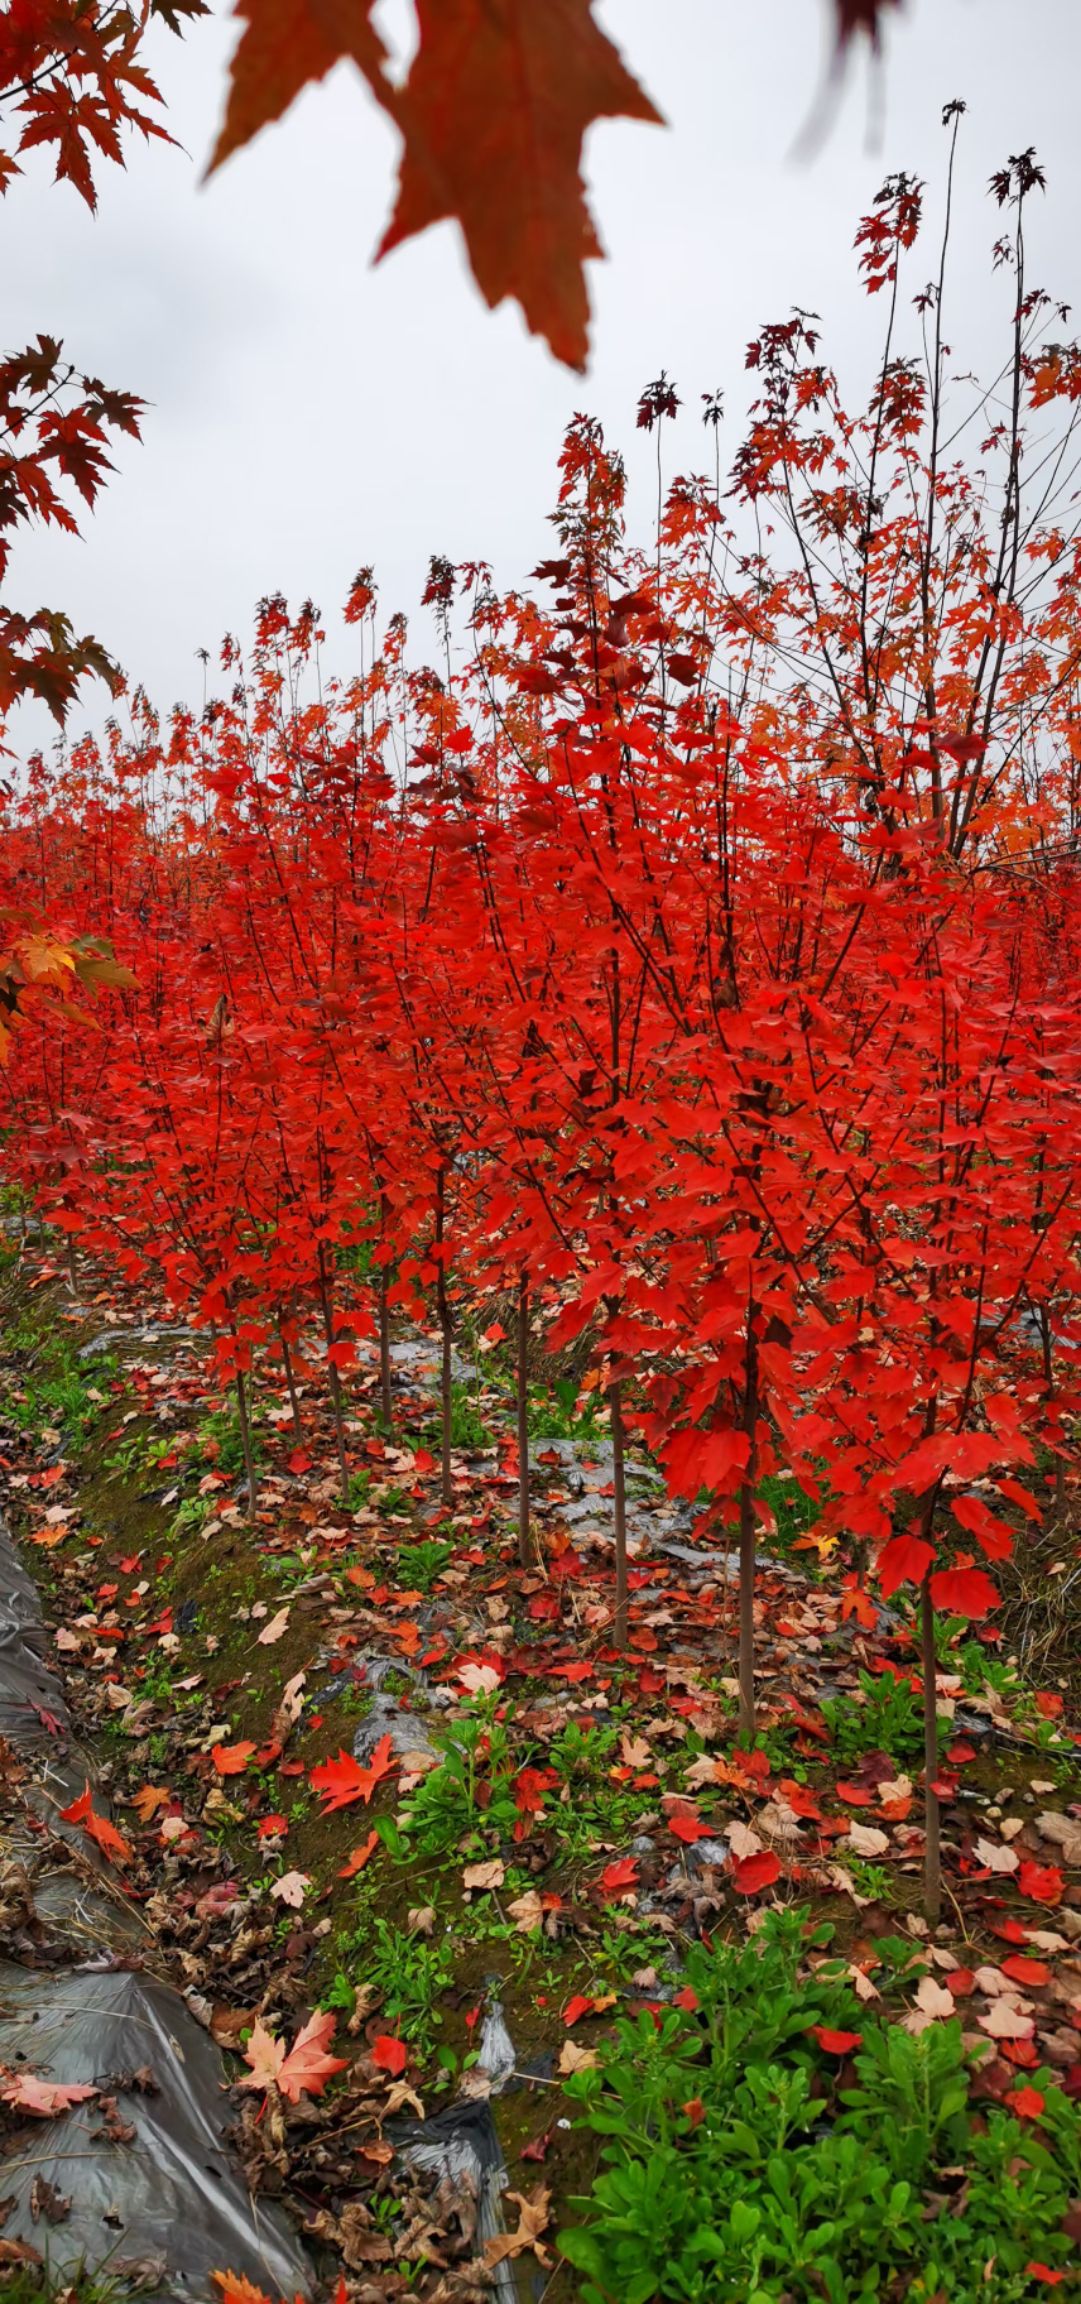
932	1862
525	1548
1060	1487
747	1532
385	1408
384	1320
446	1486
73	1269
290	1379
245	1437
334	1378
619	1484
747	1537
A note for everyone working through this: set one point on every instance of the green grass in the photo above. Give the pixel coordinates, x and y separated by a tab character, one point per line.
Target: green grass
746	2161
420	1564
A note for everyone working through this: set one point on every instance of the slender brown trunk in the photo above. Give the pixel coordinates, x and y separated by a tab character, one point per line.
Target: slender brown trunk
290	1378
619	1484
384	1349
932	1862
245	1437
747	1539
334	1378
747	1720
73	1269
446	1485
525	1549
384	1322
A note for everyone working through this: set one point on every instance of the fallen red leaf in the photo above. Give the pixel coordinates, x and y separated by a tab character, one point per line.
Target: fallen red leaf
580	2004
231	1759
390	2054
755	1873
1042	1882
1023	1971
111	1842
687	1825
344	1780
357	1861
624	1874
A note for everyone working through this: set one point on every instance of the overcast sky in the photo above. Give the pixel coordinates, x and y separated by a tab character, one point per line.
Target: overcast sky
309	414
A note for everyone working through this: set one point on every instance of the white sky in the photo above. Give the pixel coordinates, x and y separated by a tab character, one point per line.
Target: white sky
309	414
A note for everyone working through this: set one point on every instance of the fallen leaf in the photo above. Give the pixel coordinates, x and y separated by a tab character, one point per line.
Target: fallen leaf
290	1706
533	2218
1064	1831
237	2290
291	1889
44	2098
527	1912
308	2067
148	1799
479	1679
344	1780
933	1999
742	1841
756	1873
390	2054
1004	2020
618	1876
272	1632
1022	1971
995	1856
231	1759
489	1875
687	1825
1043	1882
574	2058
358	1859
98	1828
264	2057
867	1840
302	2071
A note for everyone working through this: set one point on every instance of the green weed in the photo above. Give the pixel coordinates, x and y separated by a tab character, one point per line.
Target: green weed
420	1564
742	2160
888	1718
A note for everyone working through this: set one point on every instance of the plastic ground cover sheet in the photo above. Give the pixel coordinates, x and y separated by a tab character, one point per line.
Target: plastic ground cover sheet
136	2182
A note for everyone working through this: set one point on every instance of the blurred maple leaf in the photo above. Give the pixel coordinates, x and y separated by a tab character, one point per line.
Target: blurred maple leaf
856	16
493	114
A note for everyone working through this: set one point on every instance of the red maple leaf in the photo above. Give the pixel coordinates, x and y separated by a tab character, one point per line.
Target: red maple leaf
341	1781
111	1842
754	1873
